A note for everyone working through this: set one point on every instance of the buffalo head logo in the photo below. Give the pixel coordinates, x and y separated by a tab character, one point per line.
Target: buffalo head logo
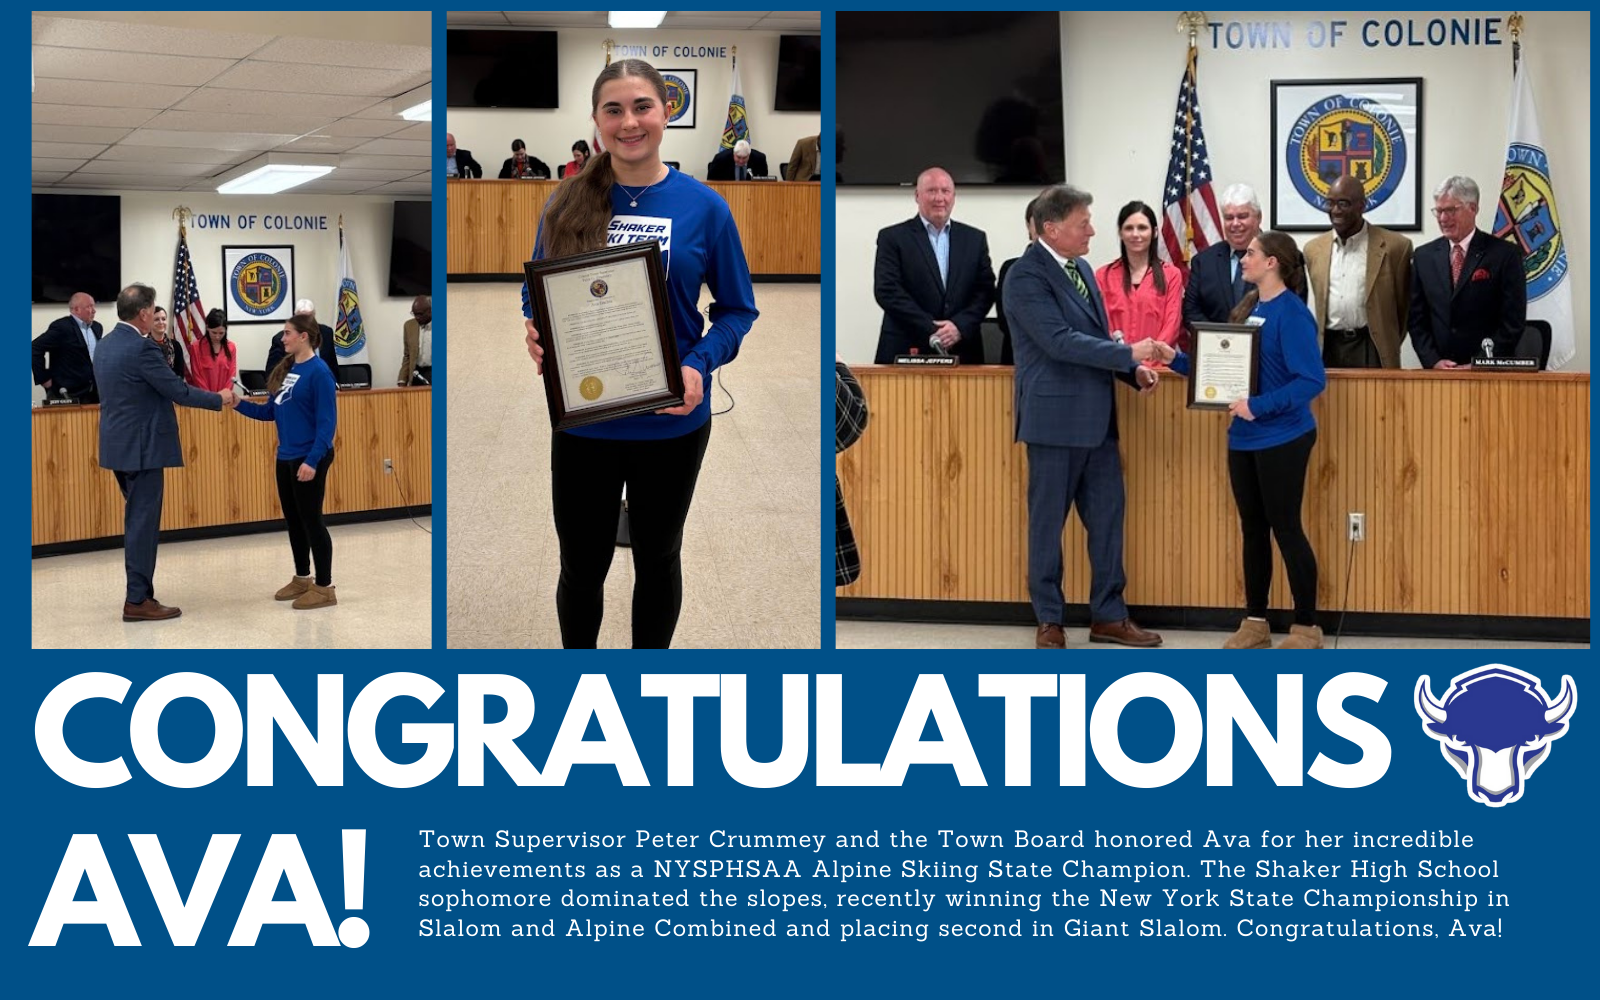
1495	726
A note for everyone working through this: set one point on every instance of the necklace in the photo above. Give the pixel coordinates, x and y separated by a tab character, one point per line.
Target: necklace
633	201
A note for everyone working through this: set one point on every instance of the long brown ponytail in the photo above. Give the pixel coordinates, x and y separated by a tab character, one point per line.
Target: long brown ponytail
1291	270
306	325
577	215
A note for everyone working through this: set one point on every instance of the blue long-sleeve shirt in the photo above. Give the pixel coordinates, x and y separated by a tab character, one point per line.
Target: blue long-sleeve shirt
1291	376
306	411
699	246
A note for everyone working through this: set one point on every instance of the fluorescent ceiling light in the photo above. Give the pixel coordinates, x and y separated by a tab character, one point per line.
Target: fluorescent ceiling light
415	105
636	18
274	172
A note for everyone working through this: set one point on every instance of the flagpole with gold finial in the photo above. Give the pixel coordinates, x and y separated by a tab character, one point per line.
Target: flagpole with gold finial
183	214
607	44
1514	25
1190	22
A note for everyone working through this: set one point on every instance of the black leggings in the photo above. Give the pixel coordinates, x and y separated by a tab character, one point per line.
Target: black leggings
587	476
1268	486
302	510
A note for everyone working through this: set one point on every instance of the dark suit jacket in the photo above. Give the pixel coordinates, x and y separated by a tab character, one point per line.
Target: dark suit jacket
67	365
721	166
466	166
138	428
325	350
905	281
509	168
1489	303
1006	355
1066	358
1208	295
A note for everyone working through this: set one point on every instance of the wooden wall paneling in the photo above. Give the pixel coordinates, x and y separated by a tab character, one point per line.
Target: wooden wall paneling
229	474
1475	489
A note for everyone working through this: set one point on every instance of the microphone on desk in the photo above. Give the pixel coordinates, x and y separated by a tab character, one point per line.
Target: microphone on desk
424	378
1488	347
937	344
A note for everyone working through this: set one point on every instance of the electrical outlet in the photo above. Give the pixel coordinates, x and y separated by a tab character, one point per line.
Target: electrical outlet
388	466
1358	527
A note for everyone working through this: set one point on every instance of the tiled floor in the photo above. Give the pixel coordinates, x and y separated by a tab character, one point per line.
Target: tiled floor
751	551
382	571
900	635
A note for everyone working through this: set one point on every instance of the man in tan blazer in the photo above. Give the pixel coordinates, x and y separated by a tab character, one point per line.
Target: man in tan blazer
806	159
1361	282
418	356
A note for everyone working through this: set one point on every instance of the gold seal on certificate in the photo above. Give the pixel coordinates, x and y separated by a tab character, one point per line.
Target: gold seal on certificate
609	348
1224	364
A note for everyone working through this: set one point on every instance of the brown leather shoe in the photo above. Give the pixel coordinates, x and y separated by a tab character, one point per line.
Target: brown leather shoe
148	611
1124	633
1050	637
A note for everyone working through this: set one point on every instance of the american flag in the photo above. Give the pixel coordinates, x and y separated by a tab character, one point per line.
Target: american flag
188	315
1189	219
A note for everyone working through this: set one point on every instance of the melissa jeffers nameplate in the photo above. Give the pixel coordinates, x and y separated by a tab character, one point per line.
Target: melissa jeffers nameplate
1224	364
609	349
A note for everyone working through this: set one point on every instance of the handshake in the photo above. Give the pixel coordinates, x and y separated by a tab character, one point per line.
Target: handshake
1151	349
229	397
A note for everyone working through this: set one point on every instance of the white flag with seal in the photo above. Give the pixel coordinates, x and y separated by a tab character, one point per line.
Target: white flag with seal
1527	217
349	336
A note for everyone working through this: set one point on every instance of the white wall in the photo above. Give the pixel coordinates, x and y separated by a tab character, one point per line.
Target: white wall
1121	73
150	239
487	132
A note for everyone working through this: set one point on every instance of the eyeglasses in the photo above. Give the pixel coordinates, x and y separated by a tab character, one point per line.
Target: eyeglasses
1439	213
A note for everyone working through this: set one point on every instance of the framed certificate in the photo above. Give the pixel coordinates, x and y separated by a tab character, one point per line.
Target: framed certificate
609	349
1225	364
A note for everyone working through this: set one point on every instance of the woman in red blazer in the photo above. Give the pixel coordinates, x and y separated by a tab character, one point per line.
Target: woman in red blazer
1143	293
214	361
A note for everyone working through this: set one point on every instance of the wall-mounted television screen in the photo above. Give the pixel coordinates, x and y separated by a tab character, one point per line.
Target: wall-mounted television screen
77	246
799	73
977	93
411	250
501	69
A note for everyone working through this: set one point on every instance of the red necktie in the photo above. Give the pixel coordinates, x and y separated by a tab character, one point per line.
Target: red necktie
1458	259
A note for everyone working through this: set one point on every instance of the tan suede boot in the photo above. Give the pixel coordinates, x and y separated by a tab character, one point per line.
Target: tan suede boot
1252	634
294	588
1303	637
316	597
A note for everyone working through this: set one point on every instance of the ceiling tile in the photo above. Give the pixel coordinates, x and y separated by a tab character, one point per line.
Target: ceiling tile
332	184
374	174
77	114
417	164
78	133
322	144
205	140
157	168
125	66
68	150
95	94
330	52
317	79
124	37
403	187
486	17
396	147
47	164
49	178
417	130
365	128
175	154
250	102
216	121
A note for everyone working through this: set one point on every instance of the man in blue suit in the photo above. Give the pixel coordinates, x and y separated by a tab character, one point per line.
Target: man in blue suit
139	437
1216	281
1066	358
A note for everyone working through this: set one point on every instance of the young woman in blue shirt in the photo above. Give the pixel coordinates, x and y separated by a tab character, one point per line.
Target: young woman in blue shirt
628	190
301	400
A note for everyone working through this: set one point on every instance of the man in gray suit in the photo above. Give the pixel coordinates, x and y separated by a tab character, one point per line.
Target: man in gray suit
139	437
1066	358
